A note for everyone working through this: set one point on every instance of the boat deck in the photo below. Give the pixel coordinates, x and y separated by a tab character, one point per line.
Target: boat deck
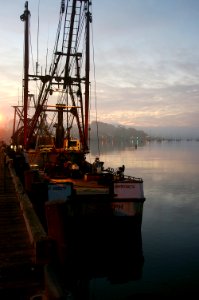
85	187
19	276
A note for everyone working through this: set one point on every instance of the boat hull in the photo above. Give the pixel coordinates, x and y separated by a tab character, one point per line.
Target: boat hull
94	242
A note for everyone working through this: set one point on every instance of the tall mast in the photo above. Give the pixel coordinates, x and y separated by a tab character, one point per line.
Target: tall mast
25	18
87	70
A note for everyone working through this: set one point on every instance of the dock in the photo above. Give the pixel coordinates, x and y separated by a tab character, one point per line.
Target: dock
21	274
27	253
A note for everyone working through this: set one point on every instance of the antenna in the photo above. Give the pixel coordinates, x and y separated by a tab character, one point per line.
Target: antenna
37	63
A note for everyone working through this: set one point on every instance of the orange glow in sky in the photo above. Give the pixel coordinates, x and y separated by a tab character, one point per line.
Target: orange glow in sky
1	118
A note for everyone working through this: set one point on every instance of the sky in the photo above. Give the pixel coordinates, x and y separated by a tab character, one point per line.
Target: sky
146	55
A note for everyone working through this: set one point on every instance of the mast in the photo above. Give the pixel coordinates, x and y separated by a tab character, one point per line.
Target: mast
25	18
67	79
70	40
87	69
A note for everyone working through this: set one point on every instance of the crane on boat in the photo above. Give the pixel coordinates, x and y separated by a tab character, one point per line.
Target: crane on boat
64	90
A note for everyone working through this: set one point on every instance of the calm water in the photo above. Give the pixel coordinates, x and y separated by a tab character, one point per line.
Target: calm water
170	227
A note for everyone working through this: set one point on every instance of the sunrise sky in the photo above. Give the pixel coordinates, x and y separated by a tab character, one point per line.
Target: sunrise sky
146	59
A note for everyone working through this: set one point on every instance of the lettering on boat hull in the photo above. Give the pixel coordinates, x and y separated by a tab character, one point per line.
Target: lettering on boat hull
128	190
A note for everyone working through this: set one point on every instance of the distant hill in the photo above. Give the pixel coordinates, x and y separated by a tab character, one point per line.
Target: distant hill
98	130
108	132
182	132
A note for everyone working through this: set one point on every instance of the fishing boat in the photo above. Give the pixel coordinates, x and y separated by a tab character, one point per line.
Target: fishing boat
51	132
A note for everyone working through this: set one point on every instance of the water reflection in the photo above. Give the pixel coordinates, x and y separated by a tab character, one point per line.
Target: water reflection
108	147
111	251
170	229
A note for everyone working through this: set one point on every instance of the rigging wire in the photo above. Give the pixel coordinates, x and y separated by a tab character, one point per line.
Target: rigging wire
46	57
47	54
31	50
35	65
32	58
56	41
95	88
53	60
38	21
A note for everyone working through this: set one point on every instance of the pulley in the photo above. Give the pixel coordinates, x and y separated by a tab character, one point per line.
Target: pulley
62	6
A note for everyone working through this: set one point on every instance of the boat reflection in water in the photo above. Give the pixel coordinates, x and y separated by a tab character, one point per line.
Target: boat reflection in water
91	247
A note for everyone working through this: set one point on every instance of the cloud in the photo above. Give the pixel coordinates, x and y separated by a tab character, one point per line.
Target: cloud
177	104
146	58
